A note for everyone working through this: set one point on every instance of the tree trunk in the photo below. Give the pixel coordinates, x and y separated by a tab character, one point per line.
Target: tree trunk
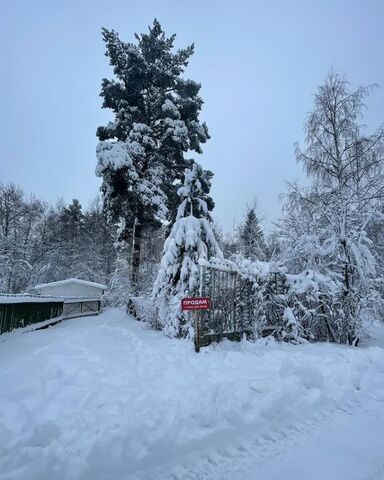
331	333
135	259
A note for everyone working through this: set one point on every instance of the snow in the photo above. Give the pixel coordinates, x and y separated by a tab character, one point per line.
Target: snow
111	154
254	270
11	299
105	397
331	448
169	108
29	328
177	129
72	280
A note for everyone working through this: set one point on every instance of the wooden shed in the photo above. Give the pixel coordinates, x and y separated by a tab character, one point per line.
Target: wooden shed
72	287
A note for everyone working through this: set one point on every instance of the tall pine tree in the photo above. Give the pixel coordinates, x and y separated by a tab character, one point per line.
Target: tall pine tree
156	120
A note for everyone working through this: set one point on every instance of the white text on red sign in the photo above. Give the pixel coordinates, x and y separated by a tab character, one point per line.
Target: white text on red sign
197	303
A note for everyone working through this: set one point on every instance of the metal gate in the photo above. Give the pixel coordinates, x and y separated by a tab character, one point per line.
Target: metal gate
239	305
77	307
232	309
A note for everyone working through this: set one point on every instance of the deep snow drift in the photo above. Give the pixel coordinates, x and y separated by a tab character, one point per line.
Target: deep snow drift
106	398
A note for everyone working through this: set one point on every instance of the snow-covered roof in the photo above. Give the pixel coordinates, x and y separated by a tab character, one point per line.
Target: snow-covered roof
71	280
28	299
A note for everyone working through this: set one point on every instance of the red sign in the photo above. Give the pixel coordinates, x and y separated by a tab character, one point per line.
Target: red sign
196	303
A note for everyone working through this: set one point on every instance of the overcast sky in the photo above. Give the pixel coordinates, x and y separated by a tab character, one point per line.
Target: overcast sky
258	62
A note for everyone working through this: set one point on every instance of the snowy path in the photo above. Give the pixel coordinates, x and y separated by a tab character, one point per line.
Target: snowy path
103	398
348	446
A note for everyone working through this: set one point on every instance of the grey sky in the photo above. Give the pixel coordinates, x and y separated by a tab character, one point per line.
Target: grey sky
258	61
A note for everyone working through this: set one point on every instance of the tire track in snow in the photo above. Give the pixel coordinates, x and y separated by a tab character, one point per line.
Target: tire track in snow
240	456
215	458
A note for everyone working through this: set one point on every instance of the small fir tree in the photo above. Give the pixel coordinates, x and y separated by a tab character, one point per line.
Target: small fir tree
252	237
190	240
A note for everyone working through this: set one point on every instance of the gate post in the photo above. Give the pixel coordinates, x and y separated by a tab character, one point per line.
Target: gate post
197	330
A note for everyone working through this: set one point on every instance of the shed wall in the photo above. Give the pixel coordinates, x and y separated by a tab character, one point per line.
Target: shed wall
71	290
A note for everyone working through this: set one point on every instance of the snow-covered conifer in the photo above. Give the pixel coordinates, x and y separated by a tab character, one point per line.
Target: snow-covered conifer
252	238
190	240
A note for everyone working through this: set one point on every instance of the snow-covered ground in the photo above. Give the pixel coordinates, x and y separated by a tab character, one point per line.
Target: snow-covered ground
105	398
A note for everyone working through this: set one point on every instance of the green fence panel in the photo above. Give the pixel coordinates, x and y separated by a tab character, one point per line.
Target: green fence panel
16	315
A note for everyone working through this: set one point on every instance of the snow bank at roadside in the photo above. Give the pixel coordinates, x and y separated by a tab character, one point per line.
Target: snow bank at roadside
104	397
